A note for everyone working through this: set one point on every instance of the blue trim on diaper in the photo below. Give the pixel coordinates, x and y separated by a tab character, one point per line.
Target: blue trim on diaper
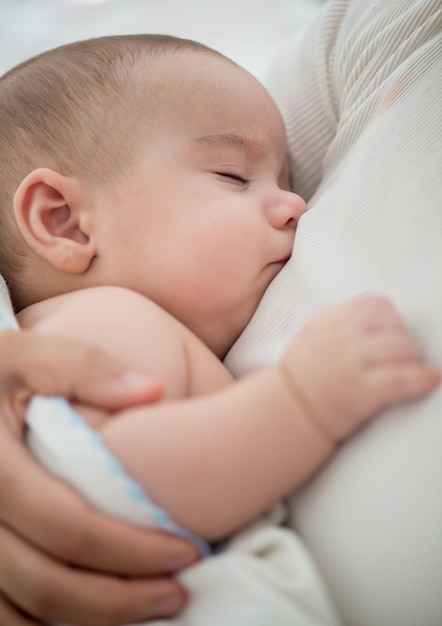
6	323
7	317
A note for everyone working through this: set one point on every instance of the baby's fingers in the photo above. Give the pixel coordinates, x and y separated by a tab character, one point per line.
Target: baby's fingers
406	382
391	345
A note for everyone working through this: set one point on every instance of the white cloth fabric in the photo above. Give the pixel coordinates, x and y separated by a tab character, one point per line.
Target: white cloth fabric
264	577
361	94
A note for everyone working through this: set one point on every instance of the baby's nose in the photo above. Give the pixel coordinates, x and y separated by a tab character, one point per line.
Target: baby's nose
286	210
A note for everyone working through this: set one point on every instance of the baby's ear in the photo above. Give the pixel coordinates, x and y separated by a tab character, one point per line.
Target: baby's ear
52	218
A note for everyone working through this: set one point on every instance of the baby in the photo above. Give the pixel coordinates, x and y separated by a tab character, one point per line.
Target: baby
145	207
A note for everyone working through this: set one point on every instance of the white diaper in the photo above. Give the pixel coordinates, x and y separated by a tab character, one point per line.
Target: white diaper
7	317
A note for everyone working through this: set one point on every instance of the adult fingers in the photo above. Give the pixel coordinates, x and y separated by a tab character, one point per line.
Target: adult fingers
54	517
53	365
11	615
39	586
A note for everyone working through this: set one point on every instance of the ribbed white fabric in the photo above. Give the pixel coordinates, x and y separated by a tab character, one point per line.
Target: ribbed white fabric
361	93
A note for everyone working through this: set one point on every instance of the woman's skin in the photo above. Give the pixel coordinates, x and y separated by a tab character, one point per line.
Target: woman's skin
33	540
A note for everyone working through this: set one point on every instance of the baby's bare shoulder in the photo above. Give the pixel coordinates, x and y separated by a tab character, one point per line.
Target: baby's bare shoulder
136	330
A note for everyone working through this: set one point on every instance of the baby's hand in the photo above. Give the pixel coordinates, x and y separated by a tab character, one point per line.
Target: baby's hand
353	360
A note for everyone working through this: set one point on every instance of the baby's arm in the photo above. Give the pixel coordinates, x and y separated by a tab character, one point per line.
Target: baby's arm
226	457
217	461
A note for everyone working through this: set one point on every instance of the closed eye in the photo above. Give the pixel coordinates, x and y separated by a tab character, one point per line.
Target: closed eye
234	177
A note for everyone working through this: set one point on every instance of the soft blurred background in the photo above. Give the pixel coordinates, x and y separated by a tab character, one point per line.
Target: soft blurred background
248	31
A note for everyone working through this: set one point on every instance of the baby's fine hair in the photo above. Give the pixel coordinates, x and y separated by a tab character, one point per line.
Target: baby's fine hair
73	109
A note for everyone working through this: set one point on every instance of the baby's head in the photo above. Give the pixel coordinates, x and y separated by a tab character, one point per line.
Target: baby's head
75	110
148	162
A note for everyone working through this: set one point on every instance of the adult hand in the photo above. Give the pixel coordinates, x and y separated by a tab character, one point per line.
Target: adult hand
59	559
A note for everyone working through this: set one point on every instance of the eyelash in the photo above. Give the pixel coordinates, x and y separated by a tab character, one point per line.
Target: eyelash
235	177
